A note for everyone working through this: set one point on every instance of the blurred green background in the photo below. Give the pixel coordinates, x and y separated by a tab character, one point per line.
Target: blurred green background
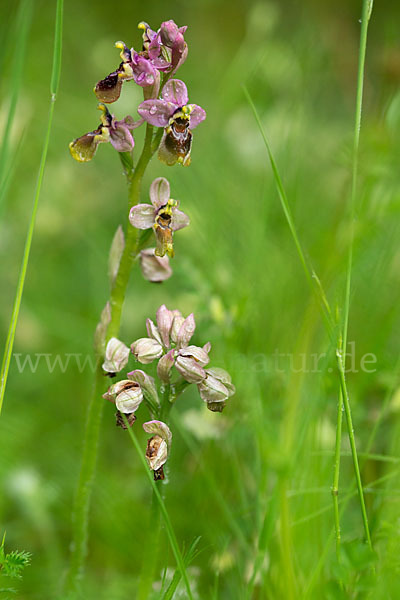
254	482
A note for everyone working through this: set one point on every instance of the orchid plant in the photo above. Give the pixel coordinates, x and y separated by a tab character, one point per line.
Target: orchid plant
169	120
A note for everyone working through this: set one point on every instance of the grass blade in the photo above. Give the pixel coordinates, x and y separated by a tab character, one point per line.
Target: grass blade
55	78
310	274
213	487
343	396
22	25
189	556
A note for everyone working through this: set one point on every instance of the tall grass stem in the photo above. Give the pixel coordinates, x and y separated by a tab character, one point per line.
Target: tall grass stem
55	77
366	14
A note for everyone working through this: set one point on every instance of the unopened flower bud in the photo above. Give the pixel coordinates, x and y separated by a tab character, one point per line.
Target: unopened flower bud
165	318
116	251
116	356
154	268
186	331
152	331
169	32
165	365
176	324
101	330
146	350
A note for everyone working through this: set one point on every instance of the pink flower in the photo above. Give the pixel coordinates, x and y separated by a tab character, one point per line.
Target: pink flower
174	99
178	119
118	133
162	215
133	66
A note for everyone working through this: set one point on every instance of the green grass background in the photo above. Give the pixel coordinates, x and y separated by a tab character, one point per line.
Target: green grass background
254	482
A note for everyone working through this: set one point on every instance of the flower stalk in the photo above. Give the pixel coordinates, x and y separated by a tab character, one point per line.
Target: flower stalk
169	123
96	403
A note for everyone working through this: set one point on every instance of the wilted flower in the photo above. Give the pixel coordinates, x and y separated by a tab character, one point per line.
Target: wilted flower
133	66
120	421
158	446
216	388
127	396
177	117
154	268
162	215
117	132
116	356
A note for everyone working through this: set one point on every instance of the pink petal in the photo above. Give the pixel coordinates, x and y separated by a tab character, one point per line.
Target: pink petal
142	216
121	138
131	123
152	331
165	365
159	192
179	220
196	353
197	115
175	91
186	331
156	112
164	319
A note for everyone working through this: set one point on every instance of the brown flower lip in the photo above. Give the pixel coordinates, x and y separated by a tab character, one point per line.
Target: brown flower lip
120	422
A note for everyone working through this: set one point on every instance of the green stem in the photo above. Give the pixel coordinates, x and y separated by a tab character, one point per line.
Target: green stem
366	14
336	473
311	276
150	553
22	25
340	363
85	484
55	78
92	431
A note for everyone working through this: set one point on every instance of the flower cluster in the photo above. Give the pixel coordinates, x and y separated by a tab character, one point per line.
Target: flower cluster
179	364
162	53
